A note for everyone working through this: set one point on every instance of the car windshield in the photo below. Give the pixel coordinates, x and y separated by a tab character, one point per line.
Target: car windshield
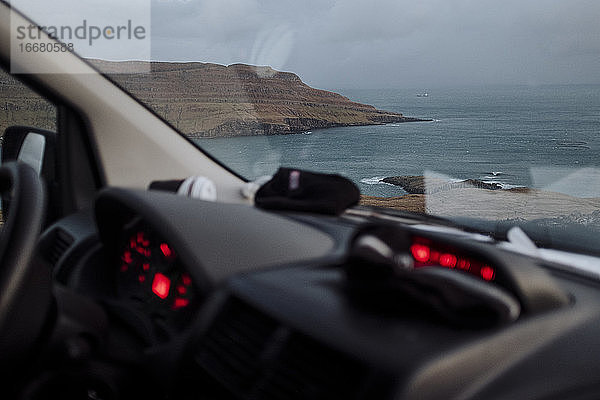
484	112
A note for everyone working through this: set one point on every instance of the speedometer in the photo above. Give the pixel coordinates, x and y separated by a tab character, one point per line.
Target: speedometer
151	278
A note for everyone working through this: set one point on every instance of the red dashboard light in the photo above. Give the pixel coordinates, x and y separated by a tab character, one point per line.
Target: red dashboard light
464	264
127	257
420	252
180	303
428	254
161	285
166	250
448	260
487	273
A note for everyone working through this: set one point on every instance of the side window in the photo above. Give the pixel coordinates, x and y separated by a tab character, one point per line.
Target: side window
19	105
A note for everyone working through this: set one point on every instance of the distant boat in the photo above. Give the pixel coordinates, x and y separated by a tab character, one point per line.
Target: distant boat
423	94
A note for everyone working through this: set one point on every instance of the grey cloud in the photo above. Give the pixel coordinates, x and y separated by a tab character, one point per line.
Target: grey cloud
390	42
206	20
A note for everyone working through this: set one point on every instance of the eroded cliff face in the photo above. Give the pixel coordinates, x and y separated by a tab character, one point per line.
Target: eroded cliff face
211	100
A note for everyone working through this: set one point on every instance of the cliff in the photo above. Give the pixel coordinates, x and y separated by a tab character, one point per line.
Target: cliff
211	100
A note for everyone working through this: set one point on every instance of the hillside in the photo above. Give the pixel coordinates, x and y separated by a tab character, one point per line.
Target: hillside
211	100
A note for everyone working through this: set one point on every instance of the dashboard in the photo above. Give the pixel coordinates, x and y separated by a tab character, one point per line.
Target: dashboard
228	301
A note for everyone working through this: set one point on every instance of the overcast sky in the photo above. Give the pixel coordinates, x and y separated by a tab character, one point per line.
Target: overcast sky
389	43
364	43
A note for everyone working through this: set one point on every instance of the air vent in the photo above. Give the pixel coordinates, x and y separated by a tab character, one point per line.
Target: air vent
231	350
253	357
57	247
306	369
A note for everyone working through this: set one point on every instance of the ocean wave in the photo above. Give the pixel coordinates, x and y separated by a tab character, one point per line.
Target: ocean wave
491	180
494	175
499	178
434	184
376	180
502	184
570	144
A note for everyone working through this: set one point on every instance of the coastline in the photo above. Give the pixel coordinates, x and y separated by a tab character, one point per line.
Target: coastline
265	129
477	199
419	184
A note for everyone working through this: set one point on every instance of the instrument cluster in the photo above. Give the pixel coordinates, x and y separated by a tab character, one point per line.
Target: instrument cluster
152	279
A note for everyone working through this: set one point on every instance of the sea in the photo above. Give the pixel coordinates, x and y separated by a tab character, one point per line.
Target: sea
544	137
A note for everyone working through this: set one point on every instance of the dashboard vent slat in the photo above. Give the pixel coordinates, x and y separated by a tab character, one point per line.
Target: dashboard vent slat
306	369
59	244
232	348
253	357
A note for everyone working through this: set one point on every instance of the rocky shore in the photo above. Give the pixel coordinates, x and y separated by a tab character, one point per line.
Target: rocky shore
420	184
476	199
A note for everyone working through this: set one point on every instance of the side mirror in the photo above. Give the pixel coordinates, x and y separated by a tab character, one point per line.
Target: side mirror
32	146
37	148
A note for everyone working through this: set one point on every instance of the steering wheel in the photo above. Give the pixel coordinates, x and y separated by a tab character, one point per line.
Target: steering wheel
25	284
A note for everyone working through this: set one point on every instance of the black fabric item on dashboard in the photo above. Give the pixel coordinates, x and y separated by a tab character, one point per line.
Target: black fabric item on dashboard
297	190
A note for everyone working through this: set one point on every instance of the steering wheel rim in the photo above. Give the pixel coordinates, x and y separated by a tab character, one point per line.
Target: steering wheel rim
25	283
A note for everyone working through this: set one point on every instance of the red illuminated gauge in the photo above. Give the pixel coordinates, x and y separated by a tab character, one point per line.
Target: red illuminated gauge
166	251
161	285
150	275
177	292
183	292
136	258
426	254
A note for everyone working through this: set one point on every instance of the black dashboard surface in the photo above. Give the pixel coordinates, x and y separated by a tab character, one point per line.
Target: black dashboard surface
216	240
276	318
